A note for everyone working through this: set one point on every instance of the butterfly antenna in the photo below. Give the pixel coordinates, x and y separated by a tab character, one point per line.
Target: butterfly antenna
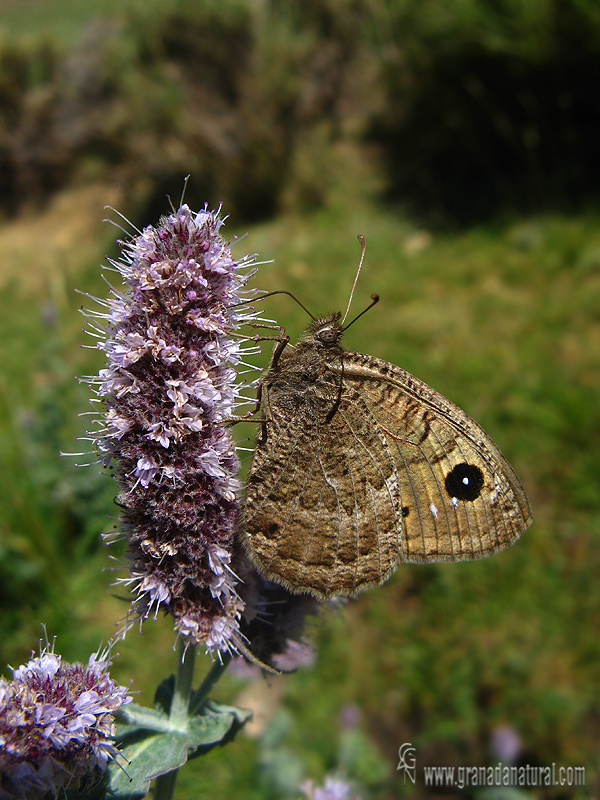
279	291
363	244
374	301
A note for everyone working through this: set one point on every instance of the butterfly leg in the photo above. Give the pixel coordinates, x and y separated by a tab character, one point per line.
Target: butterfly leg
270	326
263	325
282	341
261	390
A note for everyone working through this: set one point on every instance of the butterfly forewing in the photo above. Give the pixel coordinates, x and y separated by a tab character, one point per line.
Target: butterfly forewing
360	466
460	497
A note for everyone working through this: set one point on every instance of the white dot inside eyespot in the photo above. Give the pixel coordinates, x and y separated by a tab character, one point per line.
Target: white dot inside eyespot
433	509
466	481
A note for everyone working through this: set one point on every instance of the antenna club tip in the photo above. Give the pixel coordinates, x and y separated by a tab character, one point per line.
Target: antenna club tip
375	298
361	239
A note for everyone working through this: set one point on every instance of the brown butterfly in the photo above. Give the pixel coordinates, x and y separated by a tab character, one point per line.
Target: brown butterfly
359	466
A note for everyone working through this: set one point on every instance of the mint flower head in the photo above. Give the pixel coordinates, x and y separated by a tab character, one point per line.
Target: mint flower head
168	387
56	725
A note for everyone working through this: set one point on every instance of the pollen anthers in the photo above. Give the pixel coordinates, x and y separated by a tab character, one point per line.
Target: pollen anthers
170	381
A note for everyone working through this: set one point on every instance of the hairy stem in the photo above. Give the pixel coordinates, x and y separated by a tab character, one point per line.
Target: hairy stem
180	705
213	675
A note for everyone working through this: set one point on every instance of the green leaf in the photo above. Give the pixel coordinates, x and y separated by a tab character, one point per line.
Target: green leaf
241	715
133	720
153	746
236	718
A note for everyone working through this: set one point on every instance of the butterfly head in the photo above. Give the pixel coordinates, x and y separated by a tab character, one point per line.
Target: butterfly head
325	331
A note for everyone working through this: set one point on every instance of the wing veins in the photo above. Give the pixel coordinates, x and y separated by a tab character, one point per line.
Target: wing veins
373	504
367	483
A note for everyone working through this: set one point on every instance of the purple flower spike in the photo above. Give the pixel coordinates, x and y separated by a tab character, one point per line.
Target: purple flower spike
56	725
168	387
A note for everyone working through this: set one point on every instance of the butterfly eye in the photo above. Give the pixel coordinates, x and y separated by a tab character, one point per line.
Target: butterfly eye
328	336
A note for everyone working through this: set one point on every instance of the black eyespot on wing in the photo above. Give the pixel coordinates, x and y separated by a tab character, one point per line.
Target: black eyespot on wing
464	482
405	511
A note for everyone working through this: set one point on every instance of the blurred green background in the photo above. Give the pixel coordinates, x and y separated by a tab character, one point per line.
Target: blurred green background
460	137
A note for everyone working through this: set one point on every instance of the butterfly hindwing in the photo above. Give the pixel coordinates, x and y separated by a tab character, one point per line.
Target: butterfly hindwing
321	507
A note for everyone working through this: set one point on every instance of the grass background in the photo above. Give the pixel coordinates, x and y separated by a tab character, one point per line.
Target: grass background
499	314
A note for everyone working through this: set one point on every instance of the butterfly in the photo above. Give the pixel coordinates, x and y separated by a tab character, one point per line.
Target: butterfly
360	466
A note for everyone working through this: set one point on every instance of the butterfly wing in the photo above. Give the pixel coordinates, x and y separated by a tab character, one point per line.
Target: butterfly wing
460	498
347	481
321	511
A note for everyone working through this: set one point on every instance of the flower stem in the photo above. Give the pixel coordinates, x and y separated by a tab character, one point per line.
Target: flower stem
180	705
213	675
183	683
164	787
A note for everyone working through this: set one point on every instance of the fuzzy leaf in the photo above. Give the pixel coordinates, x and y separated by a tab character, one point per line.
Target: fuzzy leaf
153	746
237	717
133	719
